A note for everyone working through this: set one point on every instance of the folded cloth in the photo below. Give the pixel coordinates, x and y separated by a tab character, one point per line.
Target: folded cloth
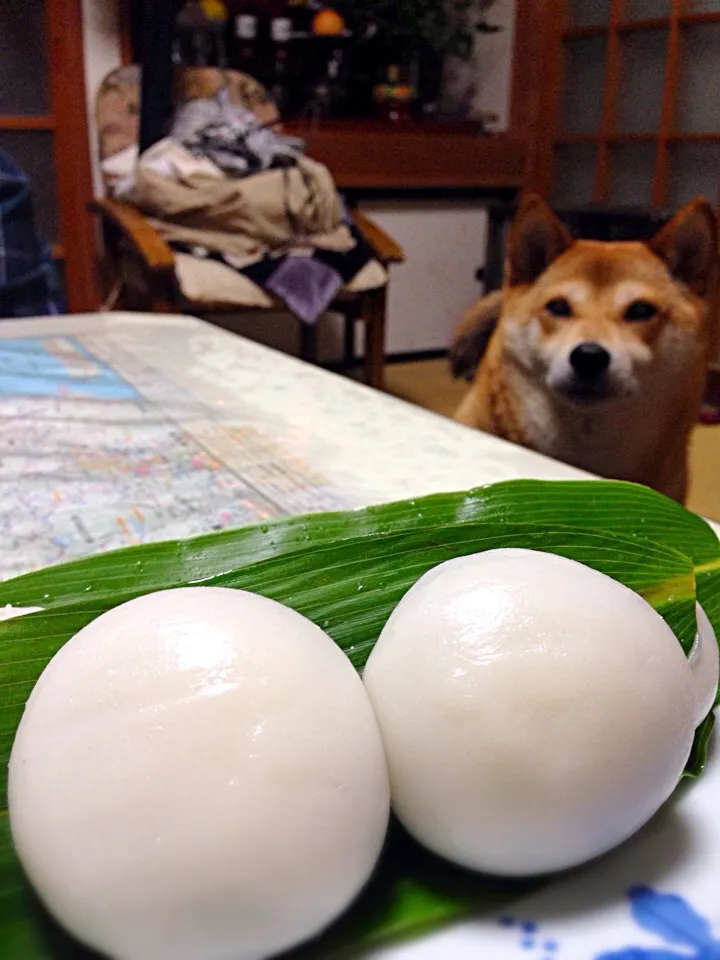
305	279
231	137
29	285
270	209
167	158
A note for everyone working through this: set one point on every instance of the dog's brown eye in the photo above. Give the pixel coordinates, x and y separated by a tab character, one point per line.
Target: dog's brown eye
641	310
559	307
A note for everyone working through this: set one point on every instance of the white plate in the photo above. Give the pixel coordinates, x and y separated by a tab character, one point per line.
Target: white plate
655	898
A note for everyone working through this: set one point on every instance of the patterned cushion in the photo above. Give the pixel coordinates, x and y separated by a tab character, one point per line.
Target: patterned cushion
210	283
117	111
117	106
193	83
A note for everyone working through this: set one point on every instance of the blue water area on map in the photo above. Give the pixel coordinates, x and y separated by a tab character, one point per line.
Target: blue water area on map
58	367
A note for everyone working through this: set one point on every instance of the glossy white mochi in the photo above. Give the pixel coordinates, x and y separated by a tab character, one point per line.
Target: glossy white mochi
198	775
705	665
534	712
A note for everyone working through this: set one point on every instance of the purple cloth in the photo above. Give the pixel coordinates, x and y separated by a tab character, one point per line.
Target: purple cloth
307	286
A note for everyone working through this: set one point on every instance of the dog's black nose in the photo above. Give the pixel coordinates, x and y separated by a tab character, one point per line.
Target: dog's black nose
589	360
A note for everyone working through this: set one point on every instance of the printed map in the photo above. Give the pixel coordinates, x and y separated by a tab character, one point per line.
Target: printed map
93	460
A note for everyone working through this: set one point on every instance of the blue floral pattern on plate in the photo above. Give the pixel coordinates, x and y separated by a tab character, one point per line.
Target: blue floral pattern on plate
667	915
675	922
532	938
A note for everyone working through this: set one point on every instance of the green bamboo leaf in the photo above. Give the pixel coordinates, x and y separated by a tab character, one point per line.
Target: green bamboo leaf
21	933
347	571
349	588
613	507
698	757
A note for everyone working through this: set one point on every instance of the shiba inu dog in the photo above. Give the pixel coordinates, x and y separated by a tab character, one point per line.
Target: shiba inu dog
597	352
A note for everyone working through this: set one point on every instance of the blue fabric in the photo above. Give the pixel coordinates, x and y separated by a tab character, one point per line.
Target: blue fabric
29	285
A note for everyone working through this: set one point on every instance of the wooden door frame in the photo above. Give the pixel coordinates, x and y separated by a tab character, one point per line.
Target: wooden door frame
536	86
73	168
543	32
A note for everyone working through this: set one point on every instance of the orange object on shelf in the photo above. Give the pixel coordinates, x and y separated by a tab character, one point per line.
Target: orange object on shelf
214	10
328	23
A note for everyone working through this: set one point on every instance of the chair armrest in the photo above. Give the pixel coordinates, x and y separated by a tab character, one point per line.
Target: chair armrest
148	242
386	249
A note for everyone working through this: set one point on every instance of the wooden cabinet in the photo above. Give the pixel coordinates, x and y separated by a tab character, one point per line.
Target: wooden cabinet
413	156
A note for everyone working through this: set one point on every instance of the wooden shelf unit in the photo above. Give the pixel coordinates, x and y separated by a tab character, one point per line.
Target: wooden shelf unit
382	156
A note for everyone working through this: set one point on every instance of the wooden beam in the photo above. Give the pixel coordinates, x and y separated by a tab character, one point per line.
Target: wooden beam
694	137
528	79
544	85
66	70
661	180
708	16
20	122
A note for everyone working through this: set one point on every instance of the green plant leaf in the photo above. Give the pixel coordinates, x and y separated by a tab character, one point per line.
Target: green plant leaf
623	508
19	936
347	571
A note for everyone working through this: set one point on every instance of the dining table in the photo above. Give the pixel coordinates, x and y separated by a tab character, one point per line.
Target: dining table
123	428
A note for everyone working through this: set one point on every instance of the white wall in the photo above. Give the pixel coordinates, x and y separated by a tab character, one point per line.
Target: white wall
444	244
444	241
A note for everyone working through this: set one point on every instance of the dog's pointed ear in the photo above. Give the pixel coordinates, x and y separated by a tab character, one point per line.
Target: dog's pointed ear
688	245
536	238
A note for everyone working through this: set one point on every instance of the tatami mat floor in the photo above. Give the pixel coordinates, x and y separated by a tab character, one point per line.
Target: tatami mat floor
428	383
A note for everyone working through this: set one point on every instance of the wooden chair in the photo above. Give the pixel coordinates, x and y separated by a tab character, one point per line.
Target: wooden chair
143	272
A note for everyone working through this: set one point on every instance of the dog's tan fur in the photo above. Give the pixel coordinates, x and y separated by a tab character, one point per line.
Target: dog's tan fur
525	389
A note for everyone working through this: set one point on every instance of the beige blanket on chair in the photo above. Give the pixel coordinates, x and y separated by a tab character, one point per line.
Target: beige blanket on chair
244	217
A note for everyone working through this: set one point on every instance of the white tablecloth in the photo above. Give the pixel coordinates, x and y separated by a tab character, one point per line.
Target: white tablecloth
123	428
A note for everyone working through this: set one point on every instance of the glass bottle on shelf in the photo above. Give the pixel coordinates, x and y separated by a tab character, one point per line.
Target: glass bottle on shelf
281	28
200	34
281	34
244	37
394	97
